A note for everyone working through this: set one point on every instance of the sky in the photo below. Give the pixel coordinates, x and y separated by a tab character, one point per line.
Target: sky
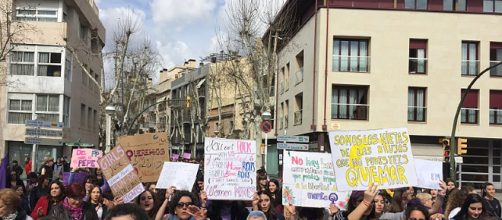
178	29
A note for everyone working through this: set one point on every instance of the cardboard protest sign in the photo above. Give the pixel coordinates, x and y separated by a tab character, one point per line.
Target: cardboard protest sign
430	173
180	175
380	156
309	180
85	158
147	153
229	169
122	178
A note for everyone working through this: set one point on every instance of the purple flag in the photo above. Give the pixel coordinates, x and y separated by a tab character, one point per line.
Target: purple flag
3	171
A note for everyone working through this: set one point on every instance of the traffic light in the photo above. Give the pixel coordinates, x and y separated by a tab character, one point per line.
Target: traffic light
446	148
461	146
188	102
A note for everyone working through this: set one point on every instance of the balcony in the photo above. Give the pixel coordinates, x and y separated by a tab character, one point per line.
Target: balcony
497	71
298	117
351	63
469	115
349	111
299	76
417	113
417	65
470	67
496	116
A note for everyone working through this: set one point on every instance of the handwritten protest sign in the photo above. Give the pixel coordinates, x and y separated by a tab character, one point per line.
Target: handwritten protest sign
122	178
85	158
147	153
230	169
309	180
430	173
381	156
180	175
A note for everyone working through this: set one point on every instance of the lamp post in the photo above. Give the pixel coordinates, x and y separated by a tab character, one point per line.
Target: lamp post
109	111
265	127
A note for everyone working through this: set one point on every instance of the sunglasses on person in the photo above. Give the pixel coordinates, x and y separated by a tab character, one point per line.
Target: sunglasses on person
184	204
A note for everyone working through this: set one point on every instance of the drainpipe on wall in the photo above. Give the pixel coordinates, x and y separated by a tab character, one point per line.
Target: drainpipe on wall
313	126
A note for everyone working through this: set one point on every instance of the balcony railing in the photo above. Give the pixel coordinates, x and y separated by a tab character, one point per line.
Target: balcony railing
351	63
497	71
469	115
496	116
349	111
417	113
470	67
298	117
299	76
417	65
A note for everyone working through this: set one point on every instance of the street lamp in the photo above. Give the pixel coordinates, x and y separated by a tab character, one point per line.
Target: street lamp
109	111
265	116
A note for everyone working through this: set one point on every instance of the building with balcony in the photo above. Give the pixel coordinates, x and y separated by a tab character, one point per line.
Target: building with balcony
47	82
367	64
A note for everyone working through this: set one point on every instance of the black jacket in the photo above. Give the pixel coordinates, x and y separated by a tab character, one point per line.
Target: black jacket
60	212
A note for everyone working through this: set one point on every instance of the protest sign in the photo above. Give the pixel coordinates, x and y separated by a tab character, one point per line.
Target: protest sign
122	178
147	153
77	178
430	173
85	158
229	169
309	180
381	156
180	175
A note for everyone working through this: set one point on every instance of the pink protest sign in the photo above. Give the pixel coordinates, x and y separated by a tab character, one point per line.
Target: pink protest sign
85	158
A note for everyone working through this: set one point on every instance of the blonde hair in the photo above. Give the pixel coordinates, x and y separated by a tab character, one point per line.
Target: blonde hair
423	196
10	199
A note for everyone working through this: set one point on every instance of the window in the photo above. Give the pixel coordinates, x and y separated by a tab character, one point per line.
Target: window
298	109
469	110
470	62
281	117
496	107
415	4
66	111
47	107
299	73
349	102
286	77
49	64
495	57
350	55
418	57
417	109
492	6
454	5
83	31
22	63
95	119
32	14
19	111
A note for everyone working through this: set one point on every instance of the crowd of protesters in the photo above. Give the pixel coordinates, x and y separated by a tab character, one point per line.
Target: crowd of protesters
44	195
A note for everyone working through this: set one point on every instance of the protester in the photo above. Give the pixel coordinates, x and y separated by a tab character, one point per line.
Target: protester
149	202
274	188
417	212
47	168
73	207
491	204
226	209
16	168
25	203
256	215
96	202
9	206
182	206
262	182
471	209
42	189
127	211
45	204
31	181
263	201
13	179
28	166
59	168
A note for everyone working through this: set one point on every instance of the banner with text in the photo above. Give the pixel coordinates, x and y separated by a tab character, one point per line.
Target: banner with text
85	158
431	172
381	156
178	174
229	169
147	153
309	180
122	178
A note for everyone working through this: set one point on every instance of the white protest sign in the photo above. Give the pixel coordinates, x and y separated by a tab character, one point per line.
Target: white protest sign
309	180
229	169
126	184
180	175
429	173
380	156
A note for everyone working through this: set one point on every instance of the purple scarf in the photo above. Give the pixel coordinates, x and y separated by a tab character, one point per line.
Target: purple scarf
76	213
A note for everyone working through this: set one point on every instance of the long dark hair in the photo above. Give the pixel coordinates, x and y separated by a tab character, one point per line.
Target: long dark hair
177	196
61	196
155	208
471	198
483	188
278	192
271	214
416	206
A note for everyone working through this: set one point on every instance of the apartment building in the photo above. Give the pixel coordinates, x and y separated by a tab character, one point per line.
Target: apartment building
367	64
49	83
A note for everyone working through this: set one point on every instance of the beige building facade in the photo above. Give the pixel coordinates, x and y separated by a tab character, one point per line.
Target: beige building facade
355	65
47	81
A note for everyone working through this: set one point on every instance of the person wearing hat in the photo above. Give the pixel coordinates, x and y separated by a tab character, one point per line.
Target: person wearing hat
47	168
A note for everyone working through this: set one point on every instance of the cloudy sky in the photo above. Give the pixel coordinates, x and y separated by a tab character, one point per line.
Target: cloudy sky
179	29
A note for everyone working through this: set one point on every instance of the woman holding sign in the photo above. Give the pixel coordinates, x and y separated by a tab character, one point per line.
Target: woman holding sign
182	206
